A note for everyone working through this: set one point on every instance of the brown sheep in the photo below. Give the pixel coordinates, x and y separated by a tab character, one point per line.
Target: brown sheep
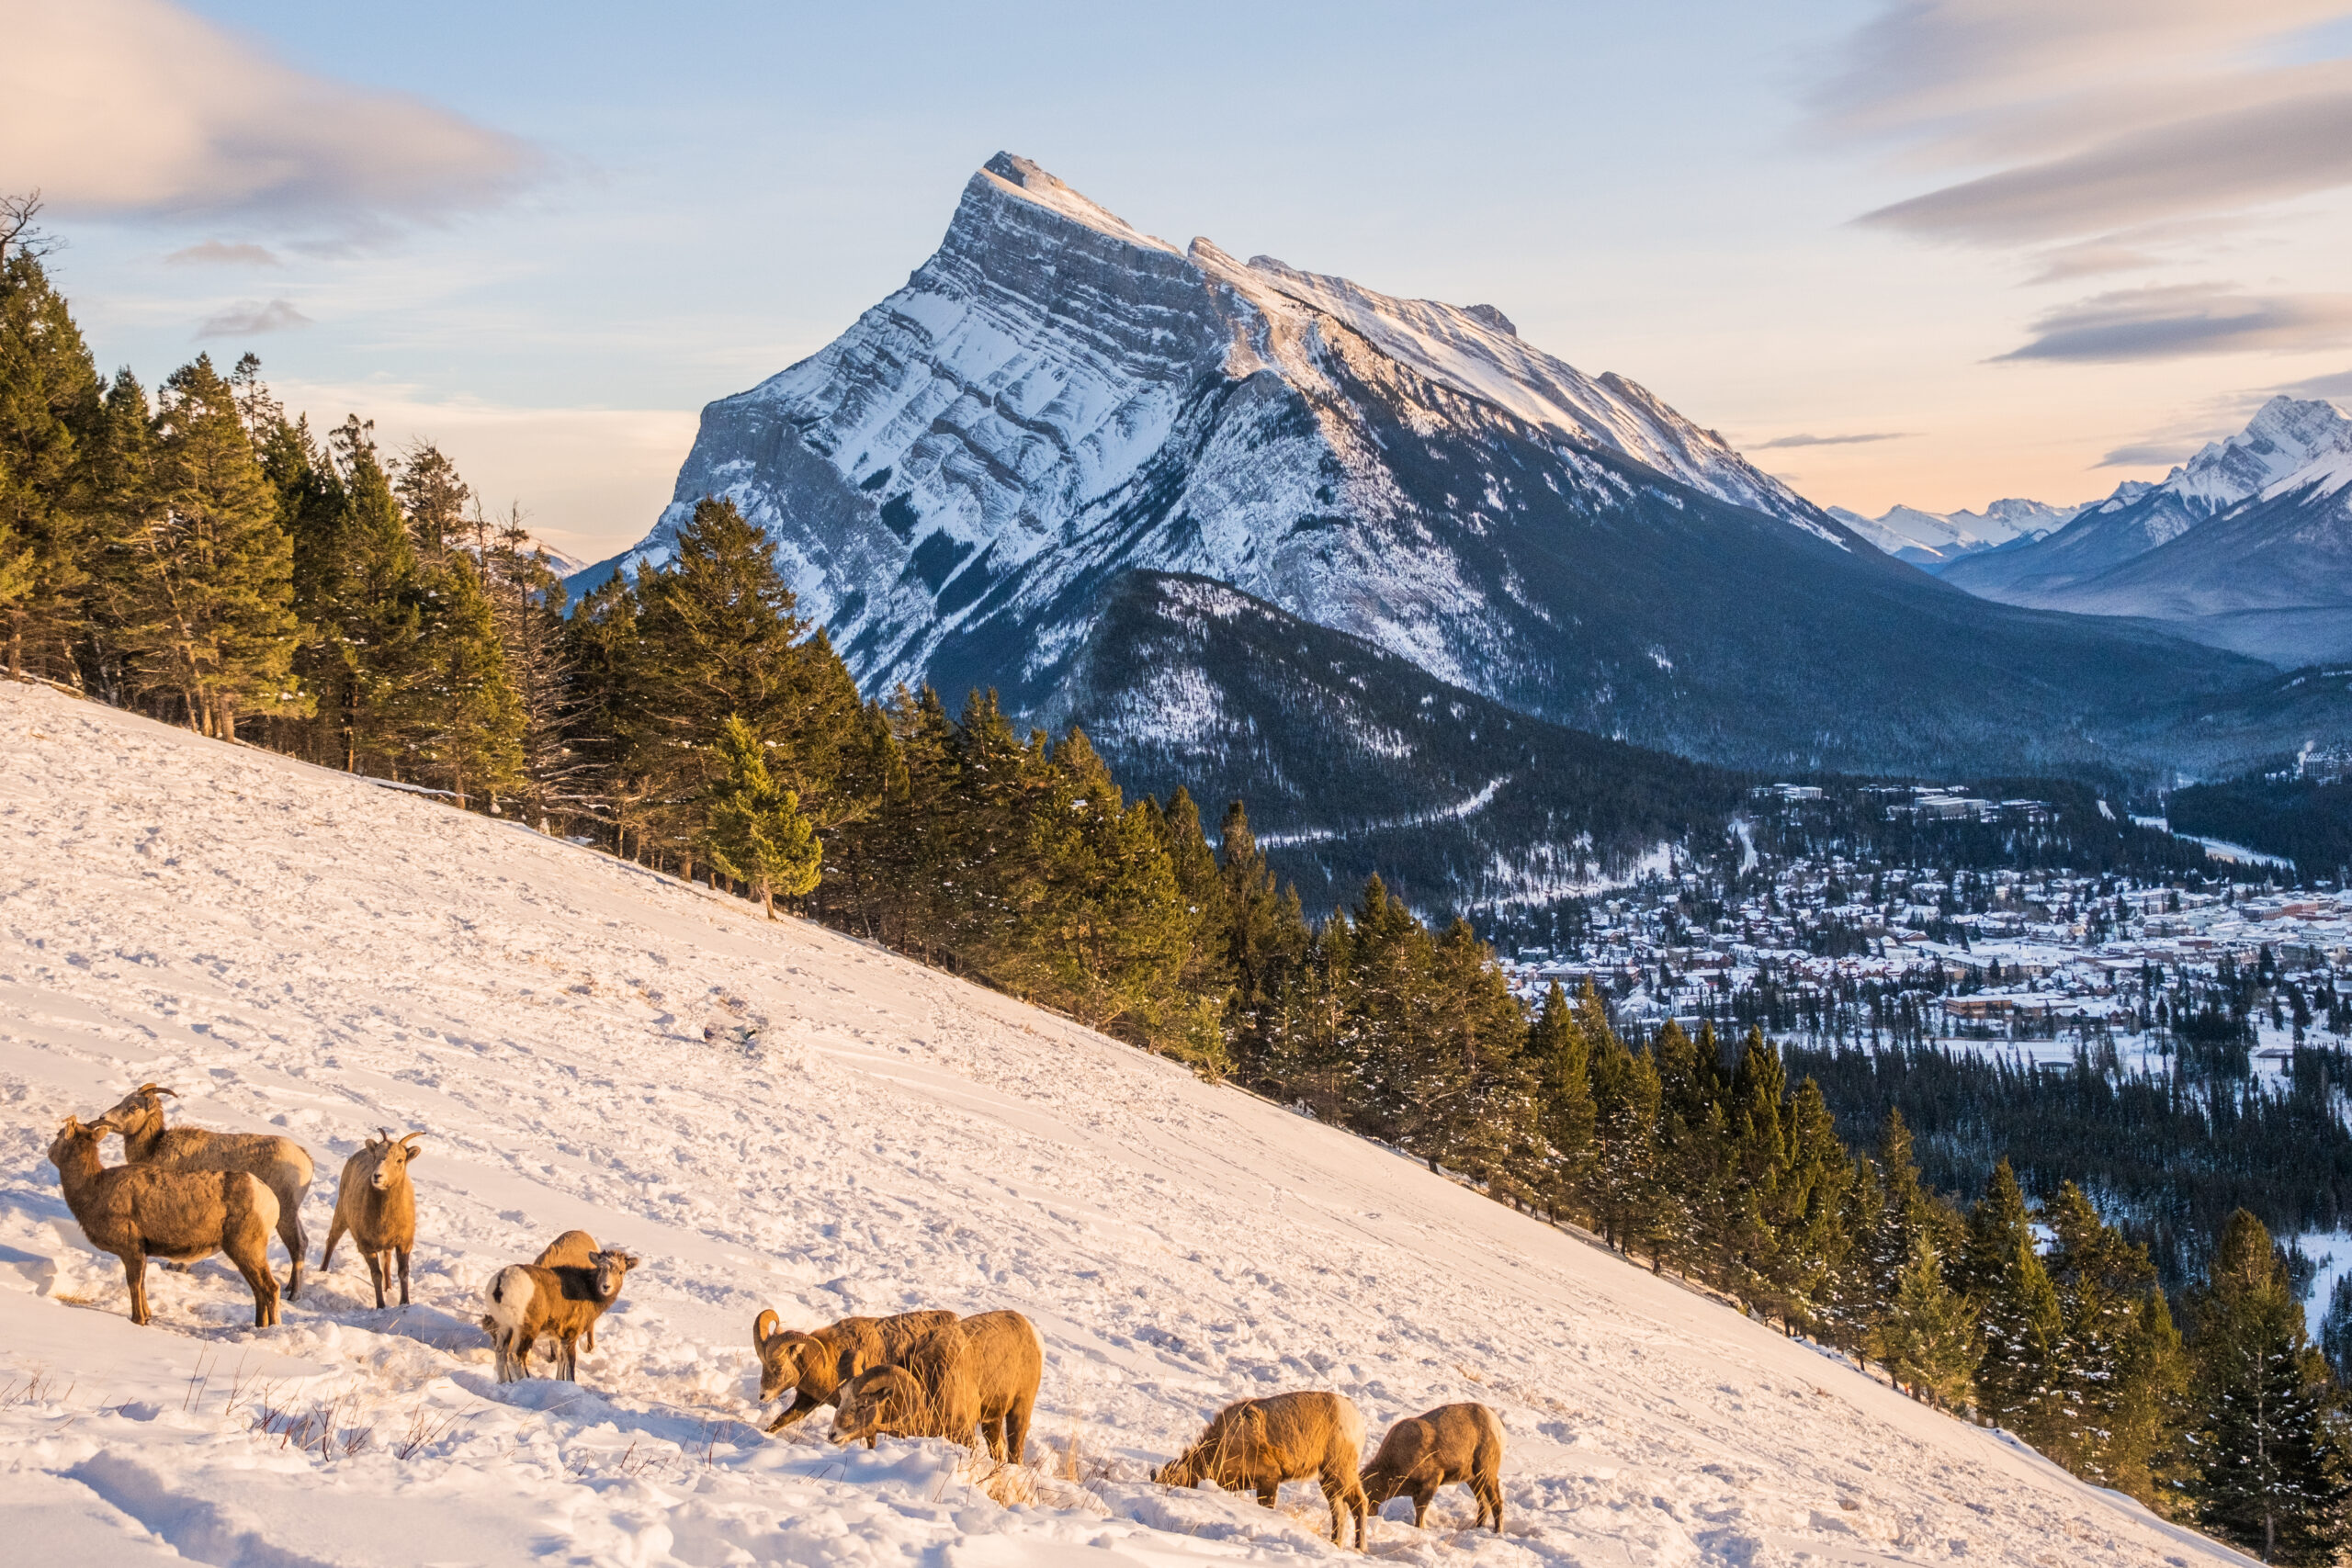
982	1372
283	1165
528	1304
1421	1453
375	1203
1258	1444
572	1249
815	1365
137	1211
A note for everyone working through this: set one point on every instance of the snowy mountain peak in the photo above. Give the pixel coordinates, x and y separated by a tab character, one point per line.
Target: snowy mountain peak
1022	177
2285	434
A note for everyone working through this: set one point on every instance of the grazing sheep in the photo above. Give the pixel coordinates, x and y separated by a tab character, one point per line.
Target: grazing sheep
529	1303
572	1249
982	1372
283	1165
814	1365
377	1203
1258	1444
1421	1453
137	1211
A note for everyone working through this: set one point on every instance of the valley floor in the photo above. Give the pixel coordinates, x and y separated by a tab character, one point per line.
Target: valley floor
773	1115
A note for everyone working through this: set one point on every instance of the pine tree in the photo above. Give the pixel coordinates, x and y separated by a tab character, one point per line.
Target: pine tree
1562	1058
2023	1325
50	410
1480	1116
210	617
1928	1338
2270	1464
526	604
1627	1192
468	722
433	498
755	832
1266	940
2102	1282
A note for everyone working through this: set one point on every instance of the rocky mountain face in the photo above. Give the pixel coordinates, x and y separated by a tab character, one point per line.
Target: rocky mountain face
2248	544
962	485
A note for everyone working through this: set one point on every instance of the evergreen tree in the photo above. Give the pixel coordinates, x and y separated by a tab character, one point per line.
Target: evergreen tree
1480	1115
1928	1338
50	410
210	617
2268	1457
755	832
1562	1058
1627	1191
526	604
1266	940
2023	1323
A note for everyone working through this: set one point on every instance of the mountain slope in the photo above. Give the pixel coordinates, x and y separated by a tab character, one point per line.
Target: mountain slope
1933	540
2088	565
1056	399
1354	760
296	949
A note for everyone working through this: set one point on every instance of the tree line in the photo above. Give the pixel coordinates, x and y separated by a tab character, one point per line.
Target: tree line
197	556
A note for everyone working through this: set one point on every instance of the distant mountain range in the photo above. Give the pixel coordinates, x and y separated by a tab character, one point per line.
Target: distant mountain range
1115	479
1933	540
2246	546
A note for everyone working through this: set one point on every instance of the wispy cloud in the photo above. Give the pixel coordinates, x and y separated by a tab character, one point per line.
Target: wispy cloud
252	318
143	108
2048	120
1778	442
2179	320
220	253
2337	384
2149	455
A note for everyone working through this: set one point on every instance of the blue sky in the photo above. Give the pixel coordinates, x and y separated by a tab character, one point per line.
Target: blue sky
1937	252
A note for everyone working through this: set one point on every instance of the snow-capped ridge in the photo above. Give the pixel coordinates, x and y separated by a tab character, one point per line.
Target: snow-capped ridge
1021	178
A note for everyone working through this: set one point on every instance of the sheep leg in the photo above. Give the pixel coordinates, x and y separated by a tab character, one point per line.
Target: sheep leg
1422	1495
336	1229
568	1359
290	1231
134	1272
1490	1500
1016	1433
404	1251
255	1266
375	1261
798	1410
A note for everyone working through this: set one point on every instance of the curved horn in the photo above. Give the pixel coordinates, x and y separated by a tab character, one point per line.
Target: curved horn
765	1327
410	1137
156	1088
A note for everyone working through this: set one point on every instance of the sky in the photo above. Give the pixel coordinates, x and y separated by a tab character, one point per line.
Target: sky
1934	252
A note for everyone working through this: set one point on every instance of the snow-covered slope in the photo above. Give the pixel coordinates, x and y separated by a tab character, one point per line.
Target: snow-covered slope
296	950
2285	436
1933	540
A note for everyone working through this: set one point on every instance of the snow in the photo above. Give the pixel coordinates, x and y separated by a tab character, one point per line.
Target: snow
294	949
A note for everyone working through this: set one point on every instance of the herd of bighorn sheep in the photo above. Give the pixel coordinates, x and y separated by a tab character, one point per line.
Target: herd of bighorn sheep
185	1193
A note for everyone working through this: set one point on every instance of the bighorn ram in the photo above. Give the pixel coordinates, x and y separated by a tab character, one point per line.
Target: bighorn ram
529	1303
1258	1444
1421	1453
814	1365
137	1211
377	1203
283	1166
981	1372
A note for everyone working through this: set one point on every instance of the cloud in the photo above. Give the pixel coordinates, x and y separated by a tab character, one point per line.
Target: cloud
220	252
2200	163
2149	455
2337	384
2041	120
1778	442
2179	320
252	318
141	109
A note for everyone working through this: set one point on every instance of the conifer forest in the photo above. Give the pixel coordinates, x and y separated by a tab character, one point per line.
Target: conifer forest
2094	1261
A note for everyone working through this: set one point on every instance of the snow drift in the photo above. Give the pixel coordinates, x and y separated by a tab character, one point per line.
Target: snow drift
773	1115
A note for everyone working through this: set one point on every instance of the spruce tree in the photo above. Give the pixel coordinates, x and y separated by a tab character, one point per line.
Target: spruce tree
211	619
1561	1059
50	411
754	831
1627	1193
2270	1462
1928	1338
2002	1273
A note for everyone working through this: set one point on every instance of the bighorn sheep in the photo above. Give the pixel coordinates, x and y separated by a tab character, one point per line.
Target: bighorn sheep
137	1211
814	1365
377	1203
1260	1443
981	1372
1421	1453
283	1166
572	1249
529	1303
